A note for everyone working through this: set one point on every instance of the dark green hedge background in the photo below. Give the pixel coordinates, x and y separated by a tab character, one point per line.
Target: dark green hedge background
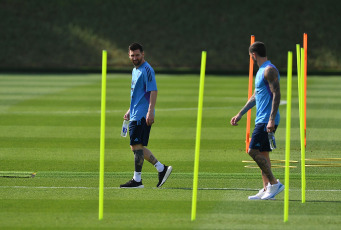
71	34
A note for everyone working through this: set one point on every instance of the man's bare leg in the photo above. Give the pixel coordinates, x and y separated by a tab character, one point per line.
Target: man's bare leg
264	177
148	155
264	164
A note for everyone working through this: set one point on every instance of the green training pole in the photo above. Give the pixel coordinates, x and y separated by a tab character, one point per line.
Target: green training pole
197	142
302	127
300	105
287	138
298	52
102	141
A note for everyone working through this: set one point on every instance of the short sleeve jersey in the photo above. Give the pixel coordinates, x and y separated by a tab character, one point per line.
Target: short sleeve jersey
264	96
142	83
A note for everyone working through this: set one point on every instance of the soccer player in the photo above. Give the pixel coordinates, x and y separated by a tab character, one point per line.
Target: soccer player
141	117
266	97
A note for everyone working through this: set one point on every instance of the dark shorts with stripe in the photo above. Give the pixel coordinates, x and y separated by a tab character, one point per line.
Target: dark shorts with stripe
139	132
260	138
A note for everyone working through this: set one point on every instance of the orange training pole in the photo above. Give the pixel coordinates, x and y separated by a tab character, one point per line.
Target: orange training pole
305	46
248	121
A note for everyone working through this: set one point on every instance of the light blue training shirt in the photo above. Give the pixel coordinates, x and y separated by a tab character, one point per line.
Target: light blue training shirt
142	82
264	96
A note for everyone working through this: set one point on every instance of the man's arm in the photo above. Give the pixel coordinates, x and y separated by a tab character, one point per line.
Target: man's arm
249	105
271	75
152	103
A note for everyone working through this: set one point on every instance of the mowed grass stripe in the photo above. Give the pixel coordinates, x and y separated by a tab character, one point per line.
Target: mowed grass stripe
71	174
221	113
75	142
175	110
184	143
92	120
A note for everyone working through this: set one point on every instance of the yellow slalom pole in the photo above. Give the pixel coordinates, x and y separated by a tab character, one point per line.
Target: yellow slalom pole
102	141
197	142
287	138
298	52
302	127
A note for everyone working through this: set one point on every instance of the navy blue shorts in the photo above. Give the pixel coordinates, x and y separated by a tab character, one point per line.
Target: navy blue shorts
260	138
139	132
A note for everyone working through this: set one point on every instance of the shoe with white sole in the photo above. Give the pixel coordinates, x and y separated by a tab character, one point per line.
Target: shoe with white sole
258	196
164	175
132	184
272	190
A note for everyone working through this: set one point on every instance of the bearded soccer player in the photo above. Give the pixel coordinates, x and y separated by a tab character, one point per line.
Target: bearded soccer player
141	116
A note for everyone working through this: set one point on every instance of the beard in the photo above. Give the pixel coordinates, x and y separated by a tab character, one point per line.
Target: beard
137	62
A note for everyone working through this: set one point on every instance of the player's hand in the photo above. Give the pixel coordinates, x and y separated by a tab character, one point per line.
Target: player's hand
235	119
150	119
271	126
127	116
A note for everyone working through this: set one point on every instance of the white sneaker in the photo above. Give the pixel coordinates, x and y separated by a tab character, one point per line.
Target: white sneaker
272	190
258	196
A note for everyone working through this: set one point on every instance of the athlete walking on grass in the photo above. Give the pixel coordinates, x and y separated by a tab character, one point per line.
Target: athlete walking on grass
266	97
141	116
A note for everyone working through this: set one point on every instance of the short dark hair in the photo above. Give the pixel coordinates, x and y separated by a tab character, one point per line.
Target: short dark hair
136	46
259	48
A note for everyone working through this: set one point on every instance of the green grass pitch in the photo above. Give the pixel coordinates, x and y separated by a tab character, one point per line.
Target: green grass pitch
50	124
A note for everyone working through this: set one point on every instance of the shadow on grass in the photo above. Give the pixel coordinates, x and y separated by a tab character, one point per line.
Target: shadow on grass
318	201
236	189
